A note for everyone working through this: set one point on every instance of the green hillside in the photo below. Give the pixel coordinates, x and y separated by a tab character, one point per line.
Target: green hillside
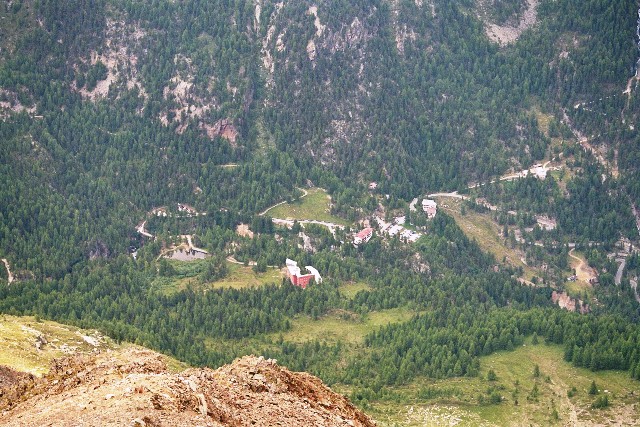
154	154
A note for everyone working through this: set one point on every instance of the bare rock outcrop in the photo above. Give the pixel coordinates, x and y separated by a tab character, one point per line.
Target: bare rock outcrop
133	387
571	304
223	128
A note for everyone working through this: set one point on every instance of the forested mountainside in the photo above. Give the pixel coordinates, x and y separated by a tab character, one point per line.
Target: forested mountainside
128	128
138	104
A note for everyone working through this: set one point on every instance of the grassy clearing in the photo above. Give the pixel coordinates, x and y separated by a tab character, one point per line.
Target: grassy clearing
343	326
442	402
186	273
486	232
314	206
18	338
543	121
579	290
238	277
350	289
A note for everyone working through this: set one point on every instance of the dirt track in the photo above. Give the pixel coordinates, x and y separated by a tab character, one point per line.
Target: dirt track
583	271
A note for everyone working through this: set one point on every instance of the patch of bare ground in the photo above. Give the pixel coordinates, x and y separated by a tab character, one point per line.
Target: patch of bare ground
134	388
268	44
180	90
10	103
584	273
243	230
118	55
402	32
506	34
192	104
9	274
563	300
223	128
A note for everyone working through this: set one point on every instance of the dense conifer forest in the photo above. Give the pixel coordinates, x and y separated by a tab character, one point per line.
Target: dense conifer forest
113	112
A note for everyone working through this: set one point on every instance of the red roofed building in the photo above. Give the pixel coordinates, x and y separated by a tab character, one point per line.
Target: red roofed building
363	236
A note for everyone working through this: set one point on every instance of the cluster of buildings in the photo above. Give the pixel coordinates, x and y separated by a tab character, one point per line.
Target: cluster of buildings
187	209
396	228
184	208
159	212
297	278
539	171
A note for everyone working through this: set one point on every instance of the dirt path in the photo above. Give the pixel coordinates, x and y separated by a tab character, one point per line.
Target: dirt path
190	243
627	92
622	262
140	229
232	260
583	271
560	388
453	194
412	205
304	194
537	170
9	275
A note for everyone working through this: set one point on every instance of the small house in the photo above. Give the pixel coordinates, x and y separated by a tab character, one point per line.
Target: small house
430	207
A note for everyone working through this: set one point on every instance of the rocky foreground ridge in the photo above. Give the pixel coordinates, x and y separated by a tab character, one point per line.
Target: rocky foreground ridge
134	388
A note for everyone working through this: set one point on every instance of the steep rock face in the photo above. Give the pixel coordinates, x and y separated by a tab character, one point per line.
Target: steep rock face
134	388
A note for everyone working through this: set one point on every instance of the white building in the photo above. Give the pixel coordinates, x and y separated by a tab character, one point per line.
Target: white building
395	229
316	274
430	207
292	267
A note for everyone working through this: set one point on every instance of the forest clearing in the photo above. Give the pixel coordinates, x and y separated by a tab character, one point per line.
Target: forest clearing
313	205
525	397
